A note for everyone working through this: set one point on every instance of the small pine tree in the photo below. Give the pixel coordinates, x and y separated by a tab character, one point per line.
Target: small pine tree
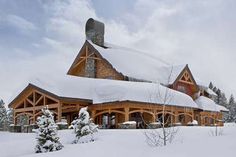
47	139
84	128
10	116
211	85
3	116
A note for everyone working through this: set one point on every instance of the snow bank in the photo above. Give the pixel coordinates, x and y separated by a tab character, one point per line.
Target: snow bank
130	122
117	143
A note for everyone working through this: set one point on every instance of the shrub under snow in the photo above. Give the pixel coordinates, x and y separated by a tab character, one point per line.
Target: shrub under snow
47	139
84	128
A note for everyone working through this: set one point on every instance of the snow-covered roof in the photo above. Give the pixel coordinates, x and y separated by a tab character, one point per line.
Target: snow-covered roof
205	87
207	104
140	92
222	108
211	92
139	65
103	91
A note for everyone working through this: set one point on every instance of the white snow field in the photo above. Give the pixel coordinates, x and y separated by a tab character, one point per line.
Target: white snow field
190	142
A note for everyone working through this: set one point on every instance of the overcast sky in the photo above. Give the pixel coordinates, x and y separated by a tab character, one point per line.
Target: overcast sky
40	38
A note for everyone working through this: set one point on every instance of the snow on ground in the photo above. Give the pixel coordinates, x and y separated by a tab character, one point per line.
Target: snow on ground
190	141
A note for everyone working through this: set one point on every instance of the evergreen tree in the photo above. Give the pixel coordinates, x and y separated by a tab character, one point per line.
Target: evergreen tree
84	128
47	139
231	101
3	116
211	85
10	116
218	97
223	100
214	89
231	117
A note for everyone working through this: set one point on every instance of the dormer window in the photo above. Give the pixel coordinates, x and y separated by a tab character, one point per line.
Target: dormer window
182	89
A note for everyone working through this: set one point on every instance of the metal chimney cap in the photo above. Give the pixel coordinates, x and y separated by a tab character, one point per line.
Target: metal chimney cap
96	26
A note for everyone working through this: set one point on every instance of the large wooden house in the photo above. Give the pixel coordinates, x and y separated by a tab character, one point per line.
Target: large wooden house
120	84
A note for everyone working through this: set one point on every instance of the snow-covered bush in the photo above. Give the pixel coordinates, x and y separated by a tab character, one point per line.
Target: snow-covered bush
3	116
193	123
47	139
84	128
128	125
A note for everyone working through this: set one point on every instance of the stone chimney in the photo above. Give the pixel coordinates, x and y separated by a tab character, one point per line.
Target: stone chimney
94	31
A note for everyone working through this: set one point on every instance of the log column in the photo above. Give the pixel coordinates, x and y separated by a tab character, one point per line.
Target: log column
202	119
34	104
14	117
176	117
59	112
154	116
93	112
126	114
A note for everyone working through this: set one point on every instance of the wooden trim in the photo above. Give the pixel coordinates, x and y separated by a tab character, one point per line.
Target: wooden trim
96	52
35	108
166	112
24	113
186	68
40	98
141	111
108	111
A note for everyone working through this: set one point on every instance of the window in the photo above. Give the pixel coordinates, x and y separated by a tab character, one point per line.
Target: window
181	89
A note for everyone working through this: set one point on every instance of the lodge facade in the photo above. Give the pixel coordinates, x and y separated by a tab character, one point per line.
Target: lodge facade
95	61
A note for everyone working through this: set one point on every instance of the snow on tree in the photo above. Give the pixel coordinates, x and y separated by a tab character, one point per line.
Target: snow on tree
217	99
84	128
231	117
10	116
47	139
214	89
221	98
3	116
23	120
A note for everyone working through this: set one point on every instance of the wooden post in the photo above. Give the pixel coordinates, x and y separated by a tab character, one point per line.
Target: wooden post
100	120
44	101
126	114
34	104
93	112
116	120
176	117
154	116
34	118
202	120
59	113
14	117
24	103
